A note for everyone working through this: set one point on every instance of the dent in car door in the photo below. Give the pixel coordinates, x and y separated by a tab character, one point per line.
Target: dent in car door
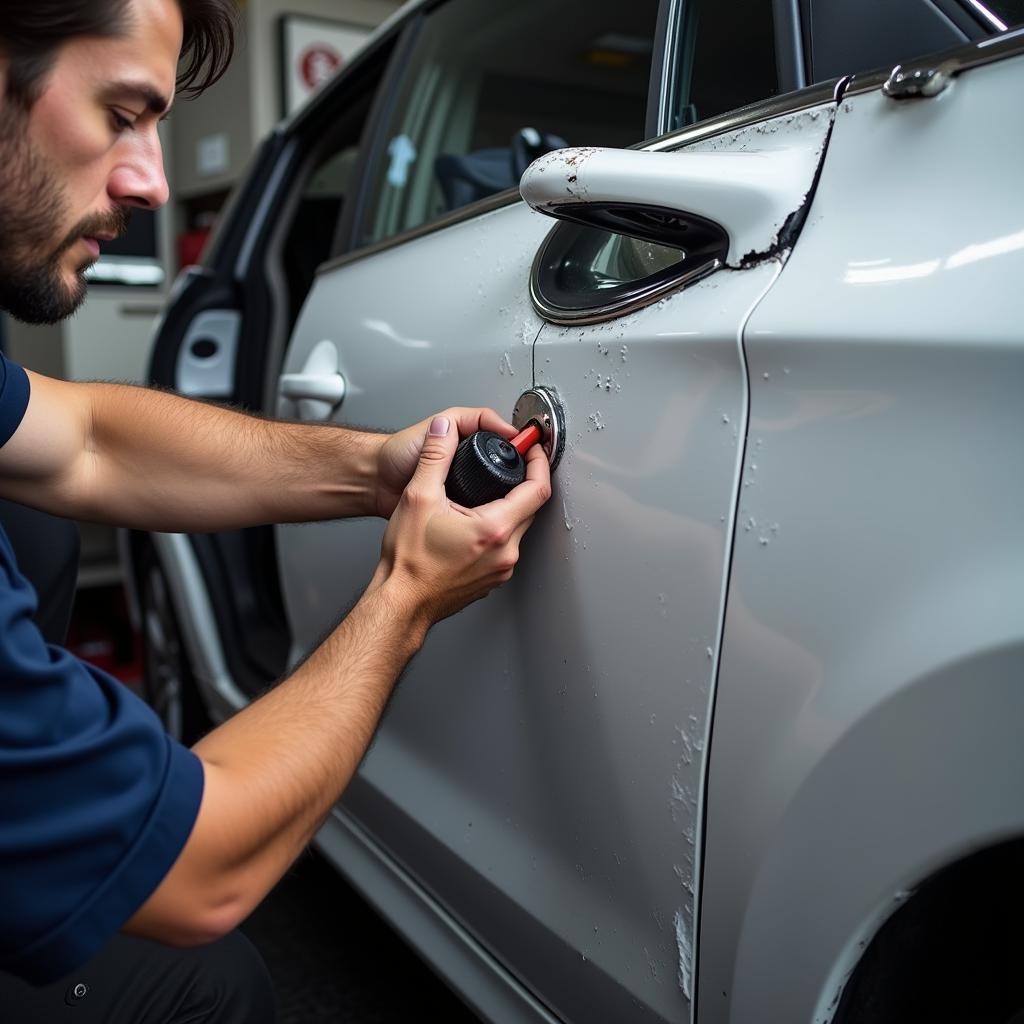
540	767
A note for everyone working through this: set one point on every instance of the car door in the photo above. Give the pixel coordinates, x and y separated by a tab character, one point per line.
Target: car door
538	776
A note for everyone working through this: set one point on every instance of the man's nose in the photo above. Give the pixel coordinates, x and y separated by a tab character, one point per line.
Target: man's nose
139	178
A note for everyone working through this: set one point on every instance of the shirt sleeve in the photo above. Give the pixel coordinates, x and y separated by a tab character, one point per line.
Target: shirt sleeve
14	391
96	801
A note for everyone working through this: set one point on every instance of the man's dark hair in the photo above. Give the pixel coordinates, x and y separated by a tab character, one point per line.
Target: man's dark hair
32	31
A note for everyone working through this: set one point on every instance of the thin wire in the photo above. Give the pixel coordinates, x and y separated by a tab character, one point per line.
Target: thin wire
533	352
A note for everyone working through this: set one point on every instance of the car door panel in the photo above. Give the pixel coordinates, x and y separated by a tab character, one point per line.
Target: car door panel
528	740
539	769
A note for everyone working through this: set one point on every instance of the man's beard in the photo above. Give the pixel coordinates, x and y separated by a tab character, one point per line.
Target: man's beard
33	205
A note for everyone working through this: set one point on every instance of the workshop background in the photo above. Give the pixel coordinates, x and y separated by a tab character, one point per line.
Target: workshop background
285	50
332	957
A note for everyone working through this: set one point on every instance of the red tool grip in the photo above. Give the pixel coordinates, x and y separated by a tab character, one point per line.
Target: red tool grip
526	438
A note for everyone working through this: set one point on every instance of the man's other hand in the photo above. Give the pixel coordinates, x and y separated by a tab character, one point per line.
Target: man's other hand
400	454
437	556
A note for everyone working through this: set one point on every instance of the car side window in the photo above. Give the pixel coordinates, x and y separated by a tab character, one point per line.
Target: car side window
310	234
724	58
319	196
490	86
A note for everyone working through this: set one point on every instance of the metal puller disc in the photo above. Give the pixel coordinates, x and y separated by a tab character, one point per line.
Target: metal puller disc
542	405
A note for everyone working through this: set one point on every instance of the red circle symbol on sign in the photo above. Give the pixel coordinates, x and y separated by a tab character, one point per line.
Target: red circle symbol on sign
317	63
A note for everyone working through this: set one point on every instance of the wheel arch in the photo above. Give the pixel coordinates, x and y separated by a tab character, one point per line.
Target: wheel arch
909	968
936	769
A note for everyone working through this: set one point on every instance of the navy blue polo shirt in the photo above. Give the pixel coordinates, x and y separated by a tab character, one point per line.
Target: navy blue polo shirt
96	801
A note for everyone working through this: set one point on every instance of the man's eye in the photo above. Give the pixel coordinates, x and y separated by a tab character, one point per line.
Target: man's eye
119	122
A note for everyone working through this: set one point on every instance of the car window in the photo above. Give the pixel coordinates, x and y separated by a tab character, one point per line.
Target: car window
326	182
724	58
308	241
490	86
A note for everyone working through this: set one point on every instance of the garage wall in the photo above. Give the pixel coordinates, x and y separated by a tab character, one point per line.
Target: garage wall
226	110
246	103
264	40
109	338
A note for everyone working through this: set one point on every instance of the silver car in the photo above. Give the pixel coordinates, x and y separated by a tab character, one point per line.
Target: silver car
742	740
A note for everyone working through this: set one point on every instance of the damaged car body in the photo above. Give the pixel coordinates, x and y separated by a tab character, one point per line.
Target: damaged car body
746	715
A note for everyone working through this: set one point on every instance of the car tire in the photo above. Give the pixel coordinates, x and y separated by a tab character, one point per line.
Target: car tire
168	683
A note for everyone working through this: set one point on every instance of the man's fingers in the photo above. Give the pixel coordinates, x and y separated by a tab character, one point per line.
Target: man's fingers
529	496
436	454
469	421
525	499
490	420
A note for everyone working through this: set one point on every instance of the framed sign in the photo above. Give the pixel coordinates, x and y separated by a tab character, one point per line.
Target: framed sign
312	50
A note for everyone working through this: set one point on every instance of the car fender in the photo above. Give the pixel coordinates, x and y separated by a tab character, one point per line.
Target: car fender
937	765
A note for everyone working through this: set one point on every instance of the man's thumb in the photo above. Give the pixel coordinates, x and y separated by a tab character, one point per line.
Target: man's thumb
437	452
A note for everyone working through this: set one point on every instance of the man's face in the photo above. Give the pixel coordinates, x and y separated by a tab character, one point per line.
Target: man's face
81	157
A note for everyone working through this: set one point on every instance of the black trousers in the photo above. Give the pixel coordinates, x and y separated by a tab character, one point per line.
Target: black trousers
132	981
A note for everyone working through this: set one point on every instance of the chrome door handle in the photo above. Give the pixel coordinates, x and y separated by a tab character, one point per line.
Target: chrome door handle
320	387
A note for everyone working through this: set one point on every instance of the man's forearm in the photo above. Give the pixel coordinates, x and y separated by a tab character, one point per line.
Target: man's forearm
167	463
143	458
274	771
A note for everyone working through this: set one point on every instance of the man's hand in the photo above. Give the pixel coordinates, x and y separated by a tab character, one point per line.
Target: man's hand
400	454
437	556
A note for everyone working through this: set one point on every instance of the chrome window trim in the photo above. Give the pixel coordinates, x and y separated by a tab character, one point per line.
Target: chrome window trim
668	62
993	19
796	41
763	110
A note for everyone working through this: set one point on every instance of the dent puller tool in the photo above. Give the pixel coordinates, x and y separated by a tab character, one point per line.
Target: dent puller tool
486	466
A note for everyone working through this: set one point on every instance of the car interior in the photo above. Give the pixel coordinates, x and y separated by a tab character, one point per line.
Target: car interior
491	88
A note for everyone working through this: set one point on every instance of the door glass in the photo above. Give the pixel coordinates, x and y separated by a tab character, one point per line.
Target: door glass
725	59
491	86
308	241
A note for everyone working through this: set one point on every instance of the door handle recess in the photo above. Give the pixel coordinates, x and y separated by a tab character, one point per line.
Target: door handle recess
320	387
